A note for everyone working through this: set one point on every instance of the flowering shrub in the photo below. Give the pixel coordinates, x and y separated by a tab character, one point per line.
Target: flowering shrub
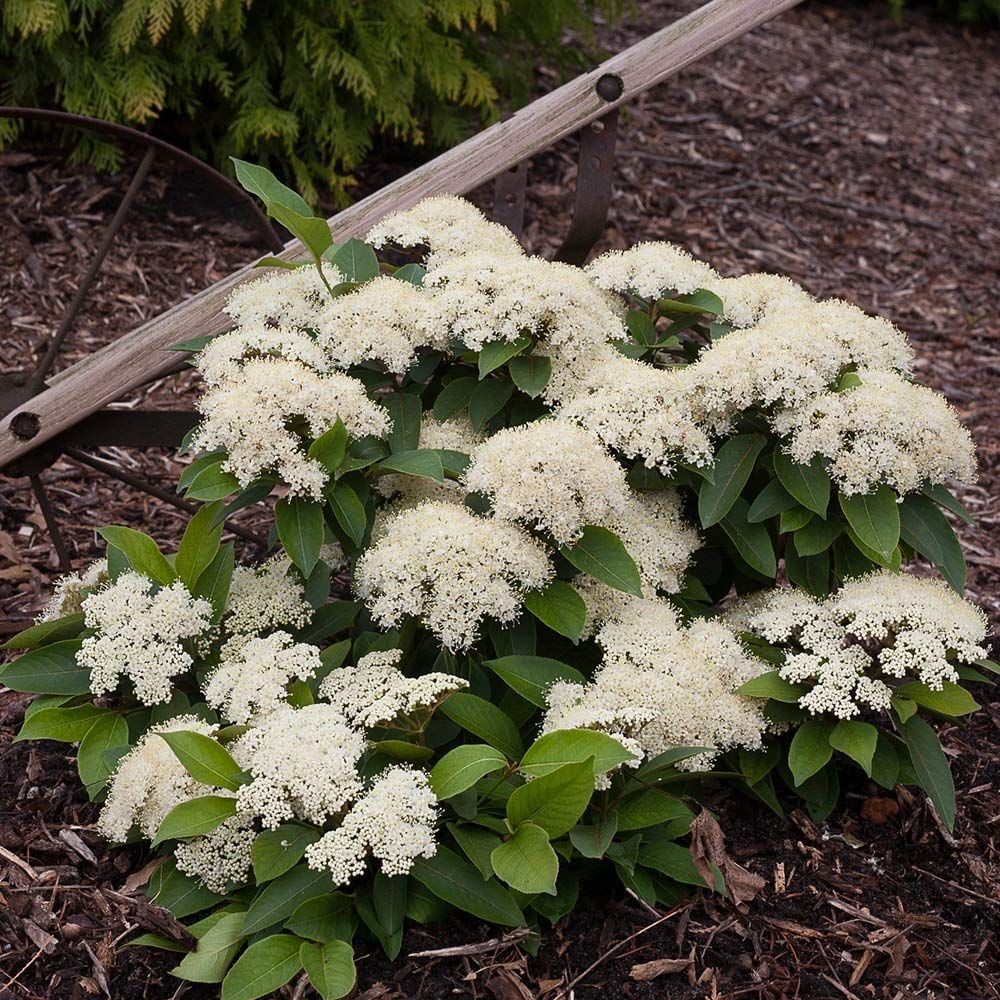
611	534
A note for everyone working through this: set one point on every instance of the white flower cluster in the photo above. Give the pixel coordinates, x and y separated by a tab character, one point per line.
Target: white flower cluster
70	590
875	627
657	537
304	763
376	692
551	475
885	430
661	685
138	632
449	227
394	820
483	297
149	781
221	858
266	597
454	434
253	674
445	566
289	297
384	320
249	415
650	270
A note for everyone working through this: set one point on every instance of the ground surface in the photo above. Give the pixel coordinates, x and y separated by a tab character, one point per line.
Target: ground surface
854	154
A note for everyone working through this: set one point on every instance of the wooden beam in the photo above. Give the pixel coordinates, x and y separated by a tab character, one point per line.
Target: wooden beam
141	356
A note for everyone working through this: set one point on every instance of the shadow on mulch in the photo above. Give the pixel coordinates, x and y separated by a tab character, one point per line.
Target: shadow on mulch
853	153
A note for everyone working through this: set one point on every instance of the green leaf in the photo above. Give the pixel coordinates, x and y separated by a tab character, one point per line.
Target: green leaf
92	764
65	725
454	397
195	817
560	607
531	373
199	544
462	767
905	708
49	670
330	448
487	400
927	530
593	839
312	232
156	941
733	464
141	552
600	553
810	749
179	893
205	479
651	807
214	583
263	968
300	528
752	541
275	852
573	746
477	844
794	519
952	700
348	510
809	484
527	862
45	633
330	917
414	274
874	518
217	948
356	261
280	898
699	301
662	854
204	759
811	573
261	182
532	676
499	352
771	685
856	739
402	750
816	537
942	496
555	801
457	882
885	763
329	620
423	462
931	767
485	720
405	410
772	500
330	968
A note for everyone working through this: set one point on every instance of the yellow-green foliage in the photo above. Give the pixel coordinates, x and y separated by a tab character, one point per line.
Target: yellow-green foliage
309	83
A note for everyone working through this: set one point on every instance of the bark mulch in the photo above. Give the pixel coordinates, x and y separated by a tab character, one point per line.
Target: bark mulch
857	155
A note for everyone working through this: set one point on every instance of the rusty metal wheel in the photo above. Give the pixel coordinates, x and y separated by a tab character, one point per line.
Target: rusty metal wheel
107	442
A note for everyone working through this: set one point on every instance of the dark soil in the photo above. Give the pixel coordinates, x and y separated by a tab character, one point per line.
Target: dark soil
853	153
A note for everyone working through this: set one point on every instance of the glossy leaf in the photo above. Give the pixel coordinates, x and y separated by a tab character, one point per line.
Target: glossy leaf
462	767
600	553
874	518
560	607
809	484
527	862
733	464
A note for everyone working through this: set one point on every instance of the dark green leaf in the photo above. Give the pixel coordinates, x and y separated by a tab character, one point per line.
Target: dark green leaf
927	530
48	670
261	182
485	720
423	462
772	500
600	553
45	633
809	484
810	749
300	528
141	552
199	544
280	898
330	448
462	767
874	518
531	373
487	400
856	739
263	968
752	541
560	607
356	261
532	676
195	817
405	410
499	352
454	397
931	767
348	510
457	882
733	464
771	685
204	759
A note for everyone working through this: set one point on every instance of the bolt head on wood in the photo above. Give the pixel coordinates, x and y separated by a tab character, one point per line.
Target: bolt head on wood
610	87
26	425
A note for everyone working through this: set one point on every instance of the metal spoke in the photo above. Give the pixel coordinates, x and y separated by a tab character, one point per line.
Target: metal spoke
51	523
117	221
82	458
508	197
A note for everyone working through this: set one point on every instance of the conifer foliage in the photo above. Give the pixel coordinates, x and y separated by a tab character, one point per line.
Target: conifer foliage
309	84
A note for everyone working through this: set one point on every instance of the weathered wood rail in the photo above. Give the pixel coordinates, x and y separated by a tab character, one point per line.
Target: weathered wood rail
141	355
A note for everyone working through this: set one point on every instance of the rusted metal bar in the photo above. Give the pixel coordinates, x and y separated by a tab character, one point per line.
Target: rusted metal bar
155	491
508	197
51	523
594	176
117	221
